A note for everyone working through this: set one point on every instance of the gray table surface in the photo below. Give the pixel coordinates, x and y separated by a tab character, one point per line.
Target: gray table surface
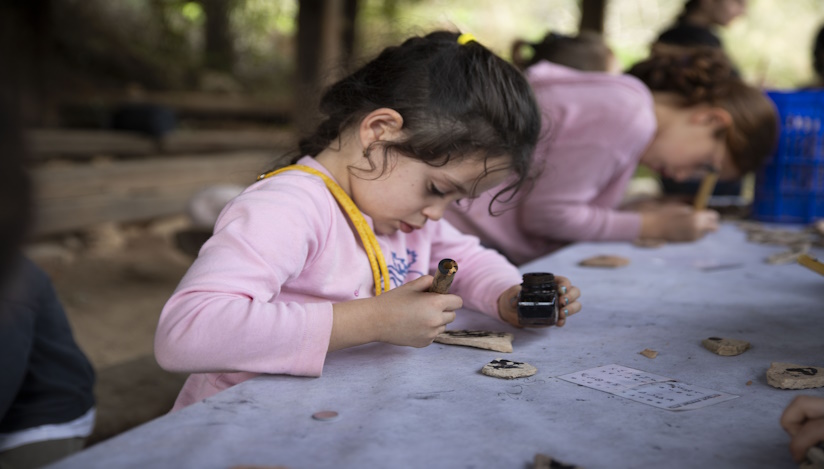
431	407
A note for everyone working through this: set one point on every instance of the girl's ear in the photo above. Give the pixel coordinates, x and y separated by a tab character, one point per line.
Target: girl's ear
380	124
718	118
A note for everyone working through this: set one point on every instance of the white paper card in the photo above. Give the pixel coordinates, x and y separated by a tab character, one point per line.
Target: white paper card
647	388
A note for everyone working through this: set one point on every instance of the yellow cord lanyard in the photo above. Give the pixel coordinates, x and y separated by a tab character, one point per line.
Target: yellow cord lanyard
370	243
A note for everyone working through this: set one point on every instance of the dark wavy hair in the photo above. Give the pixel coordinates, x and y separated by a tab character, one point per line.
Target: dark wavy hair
587	51
455	100
705	75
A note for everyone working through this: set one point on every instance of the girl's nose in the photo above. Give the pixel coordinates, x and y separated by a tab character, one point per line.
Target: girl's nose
435	212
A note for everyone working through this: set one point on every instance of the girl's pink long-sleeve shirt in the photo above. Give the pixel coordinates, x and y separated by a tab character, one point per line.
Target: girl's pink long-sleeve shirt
258	299
596	127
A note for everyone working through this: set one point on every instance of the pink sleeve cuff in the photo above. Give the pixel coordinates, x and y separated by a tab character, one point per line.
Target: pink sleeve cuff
314	344
624	226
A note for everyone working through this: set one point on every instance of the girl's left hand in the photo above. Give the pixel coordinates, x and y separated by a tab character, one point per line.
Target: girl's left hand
803	419
567	296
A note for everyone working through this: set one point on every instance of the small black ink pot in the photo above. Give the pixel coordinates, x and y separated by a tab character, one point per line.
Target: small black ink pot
538	300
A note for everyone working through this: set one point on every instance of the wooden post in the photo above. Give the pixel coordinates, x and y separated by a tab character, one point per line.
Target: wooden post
593	13
350	13
27	51
325	38
219	53
310	29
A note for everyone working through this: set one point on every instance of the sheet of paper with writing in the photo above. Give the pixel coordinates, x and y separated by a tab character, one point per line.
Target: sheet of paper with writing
647	388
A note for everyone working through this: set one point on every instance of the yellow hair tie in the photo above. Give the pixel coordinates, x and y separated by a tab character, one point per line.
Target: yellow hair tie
466	37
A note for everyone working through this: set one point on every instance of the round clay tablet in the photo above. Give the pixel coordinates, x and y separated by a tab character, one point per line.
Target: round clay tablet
604	261
508	369
325	415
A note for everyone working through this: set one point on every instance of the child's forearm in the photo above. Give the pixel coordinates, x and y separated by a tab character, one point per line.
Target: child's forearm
678	223
354	323
206	332
651	226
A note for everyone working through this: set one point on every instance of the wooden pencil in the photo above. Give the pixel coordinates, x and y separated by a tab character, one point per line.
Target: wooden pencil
811	263
705	191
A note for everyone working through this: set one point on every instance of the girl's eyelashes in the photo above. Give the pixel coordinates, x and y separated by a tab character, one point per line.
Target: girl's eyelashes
434	190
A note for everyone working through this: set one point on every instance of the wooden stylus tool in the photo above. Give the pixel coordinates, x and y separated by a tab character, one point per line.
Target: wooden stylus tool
444	275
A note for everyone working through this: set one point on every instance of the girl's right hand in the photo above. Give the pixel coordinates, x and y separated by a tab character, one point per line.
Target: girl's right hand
410	315
677	223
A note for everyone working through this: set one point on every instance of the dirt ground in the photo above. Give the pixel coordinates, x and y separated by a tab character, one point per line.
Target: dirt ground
113	281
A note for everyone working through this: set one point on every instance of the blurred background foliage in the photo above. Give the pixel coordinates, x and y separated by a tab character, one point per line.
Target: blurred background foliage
159	44
772	44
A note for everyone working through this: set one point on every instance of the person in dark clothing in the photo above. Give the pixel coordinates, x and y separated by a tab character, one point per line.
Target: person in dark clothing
15	185
686	34
46	397
696	25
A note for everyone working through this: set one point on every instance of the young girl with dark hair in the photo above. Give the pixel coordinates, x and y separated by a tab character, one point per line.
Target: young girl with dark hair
682	113
334	251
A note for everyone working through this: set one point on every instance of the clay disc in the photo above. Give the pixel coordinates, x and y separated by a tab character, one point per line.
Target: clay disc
604	261
488	340
508	369
325	415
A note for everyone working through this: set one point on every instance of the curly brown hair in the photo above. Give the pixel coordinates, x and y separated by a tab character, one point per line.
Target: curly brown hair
705	75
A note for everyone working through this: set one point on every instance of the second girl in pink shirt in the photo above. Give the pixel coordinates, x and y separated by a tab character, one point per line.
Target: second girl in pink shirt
682	113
